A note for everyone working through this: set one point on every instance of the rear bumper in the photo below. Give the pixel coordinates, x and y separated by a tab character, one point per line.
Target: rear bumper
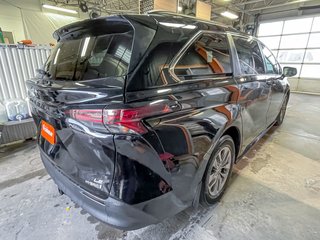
111	211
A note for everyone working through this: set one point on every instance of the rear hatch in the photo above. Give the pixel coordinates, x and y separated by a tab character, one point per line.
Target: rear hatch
85	73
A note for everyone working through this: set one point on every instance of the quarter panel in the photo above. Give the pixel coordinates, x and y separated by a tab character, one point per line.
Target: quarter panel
139	173
187	137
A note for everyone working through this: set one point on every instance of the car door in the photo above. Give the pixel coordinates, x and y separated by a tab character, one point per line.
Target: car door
276	83
254	87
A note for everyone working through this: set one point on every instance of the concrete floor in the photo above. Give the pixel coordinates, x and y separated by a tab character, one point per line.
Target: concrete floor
274	193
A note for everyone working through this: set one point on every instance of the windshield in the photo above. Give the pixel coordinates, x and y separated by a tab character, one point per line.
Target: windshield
91	57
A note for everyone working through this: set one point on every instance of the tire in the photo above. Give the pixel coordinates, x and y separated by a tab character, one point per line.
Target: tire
216	176
282	112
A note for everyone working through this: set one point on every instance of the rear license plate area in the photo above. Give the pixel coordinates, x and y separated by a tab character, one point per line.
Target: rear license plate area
48	132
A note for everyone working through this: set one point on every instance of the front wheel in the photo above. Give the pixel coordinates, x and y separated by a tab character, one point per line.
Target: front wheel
218	171
282	112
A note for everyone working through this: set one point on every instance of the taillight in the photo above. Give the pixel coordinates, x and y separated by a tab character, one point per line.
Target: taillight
86	120
127	120
87	115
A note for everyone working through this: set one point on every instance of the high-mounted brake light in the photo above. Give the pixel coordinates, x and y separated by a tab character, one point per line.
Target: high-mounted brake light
119	120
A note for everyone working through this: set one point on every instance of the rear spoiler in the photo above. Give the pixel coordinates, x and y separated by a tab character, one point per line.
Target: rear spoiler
98	26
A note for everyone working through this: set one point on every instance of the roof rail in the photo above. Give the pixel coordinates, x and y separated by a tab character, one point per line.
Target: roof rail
164	12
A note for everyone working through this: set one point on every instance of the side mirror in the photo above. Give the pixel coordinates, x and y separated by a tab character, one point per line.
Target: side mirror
289	71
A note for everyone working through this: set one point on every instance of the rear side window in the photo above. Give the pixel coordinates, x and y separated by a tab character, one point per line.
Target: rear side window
91	57
272	66
208	56
154	70
250	59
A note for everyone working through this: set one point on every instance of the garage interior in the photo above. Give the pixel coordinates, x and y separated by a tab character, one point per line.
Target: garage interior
274	192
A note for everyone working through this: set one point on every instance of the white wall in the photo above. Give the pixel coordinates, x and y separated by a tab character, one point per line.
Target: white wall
304	85
25	19
39	26
11	21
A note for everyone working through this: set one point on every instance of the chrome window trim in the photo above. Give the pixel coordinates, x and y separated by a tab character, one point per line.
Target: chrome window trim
183	50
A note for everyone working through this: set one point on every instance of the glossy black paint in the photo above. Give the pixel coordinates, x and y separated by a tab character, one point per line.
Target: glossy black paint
156	174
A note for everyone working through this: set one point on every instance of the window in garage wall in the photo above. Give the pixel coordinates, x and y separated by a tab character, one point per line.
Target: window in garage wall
295	43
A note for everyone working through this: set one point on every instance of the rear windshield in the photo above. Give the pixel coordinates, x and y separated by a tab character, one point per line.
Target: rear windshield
92	57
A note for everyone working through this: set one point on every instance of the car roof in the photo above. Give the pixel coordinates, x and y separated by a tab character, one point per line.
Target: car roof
153	19
164	16
183	18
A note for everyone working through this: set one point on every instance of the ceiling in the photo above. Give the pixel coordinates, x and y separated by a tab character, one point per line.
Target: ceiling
247	10
105	6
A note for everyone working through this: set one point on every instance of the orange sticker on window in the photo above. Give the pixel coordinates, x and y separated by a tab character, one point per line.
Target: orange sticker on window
48	132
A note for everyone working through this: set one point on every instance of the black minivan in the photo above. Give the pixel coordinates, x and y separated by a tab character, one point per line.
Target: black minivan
142	116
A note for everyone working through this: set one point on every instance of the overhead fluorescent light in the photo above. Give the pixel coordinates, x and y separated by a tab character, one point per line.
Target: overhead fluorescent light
59	9
230	15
